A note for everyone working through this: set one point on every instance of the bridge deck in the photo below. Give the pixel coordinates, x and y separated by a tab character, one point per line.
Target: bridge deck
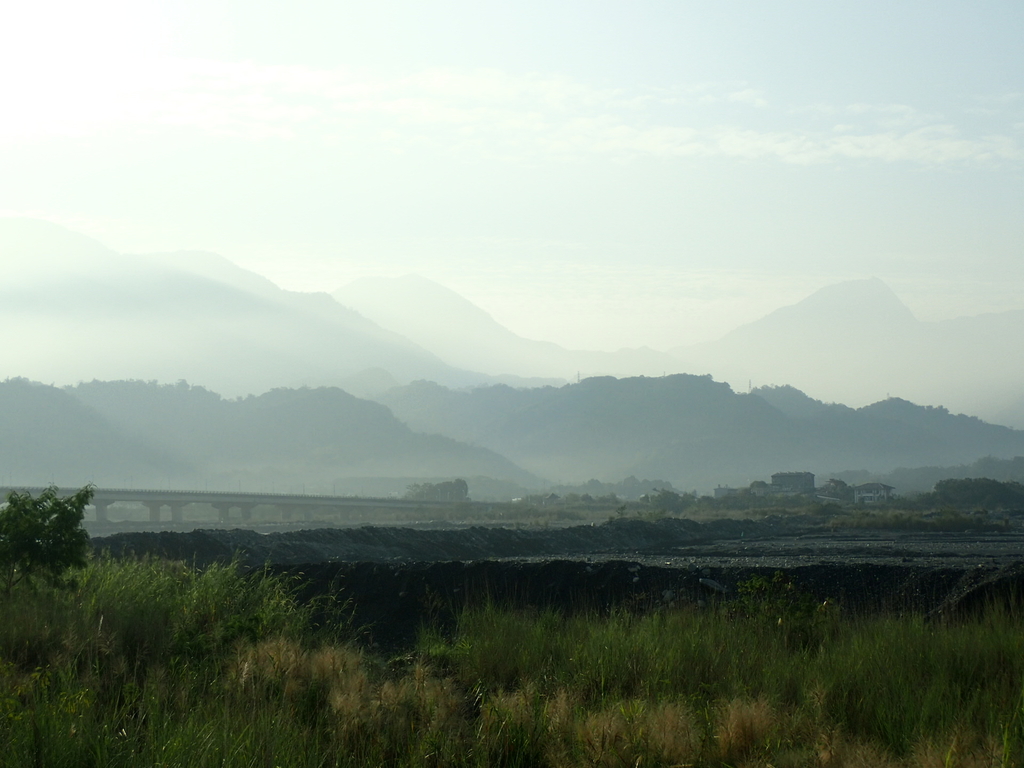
287	503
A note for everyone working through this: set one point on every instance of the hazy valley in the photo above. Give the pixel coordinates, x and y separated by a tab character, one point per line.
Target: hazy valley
511	385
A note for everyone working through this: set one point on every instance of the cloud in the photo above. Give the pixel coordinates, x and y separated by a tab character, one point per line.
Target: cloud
933	145
516	117
748	96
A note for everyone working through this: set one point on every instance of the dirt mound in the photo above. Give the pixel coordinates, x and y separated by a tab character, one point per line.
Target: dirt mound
382	544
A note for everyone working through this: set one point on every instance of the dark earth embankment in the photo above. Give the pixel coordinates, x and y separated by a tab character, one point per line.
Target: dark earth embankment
388	602
389	544
392	580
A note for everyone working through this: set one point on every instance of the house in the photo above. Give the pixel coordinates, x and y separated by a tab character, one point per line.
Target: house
792	482
872	493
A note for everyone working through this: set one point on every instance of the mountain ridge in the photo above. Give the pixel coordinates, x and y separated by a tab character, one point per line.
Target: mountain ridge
73	310
693	431
465	336
320	439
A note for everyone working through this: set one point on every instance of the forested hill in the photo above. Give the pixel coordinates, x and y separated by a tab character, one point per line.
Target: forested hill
49	436
693	431
116	433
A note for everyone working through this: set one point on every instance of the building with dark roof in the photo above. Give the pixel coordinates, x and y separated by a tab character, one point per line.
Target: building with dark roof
872	493
793	482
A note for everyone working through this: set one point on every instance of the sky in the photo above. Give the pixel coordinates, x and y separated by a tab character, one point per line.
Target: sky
592	173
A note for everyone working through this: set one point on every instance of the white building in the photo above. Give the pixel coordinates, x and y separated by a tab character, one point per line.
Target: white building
872	493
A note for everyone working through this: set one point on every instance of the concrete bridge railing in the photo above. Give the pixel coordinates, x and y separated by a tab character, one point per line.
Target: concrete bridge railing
288	505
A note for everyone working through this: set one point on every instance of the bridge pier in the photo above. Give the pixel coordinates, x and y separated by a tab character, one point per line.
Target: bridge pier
101	510
176	515
246	510
288	511
154	508
223	511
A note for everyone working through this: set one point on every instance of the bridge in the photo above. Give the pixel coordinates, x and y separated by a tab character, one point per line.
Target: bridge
288	505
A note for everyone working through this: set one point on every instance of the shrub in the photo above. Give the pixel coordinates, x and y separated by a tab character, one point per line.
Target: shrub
42	535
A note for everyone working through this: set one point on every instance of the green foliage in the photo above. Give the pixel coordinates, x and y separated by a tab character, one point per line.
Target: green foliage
147	613
948	520
42	536
129	667
778	600
161	610
837	489
975	493
671	502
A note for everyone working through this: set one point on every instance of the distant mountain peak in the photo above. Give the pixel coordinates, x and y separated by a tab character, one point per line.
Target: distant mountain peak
851	309
37	237
411	296
466	336
856	296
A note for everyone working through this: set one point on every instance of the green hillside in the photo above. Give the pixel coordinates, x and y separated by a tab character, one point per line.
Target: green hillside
693	431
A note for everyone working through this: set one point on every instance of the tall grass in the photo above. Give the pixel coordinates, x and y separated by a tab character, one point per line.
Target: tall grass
144	612
152	663
898	684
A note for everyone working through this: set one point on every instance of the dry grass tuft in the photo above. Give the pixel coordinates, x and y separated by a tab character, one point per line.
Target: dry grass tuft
959	751
284	665
636	734
673	736
839	752
422	701
744	726
606	739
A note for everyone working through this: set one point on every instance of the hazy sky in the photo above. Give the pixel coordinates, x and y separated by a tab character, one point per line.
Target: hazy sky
596	174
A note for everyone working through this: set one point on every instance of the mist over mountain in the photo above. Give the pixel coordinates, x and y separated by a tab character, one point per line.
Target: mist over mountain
923	479
72	310
124	433
465	336
853	342
693	431
856	342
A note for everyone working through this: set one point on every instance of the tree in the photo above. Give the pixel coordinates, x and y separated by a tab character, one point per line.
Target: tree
452	490
671	502
42	536
837	489
975	492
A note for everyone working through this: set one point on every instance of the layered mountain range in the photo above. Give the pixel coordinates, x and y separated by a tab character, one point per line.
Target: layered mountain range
691	431
852	342
283	375
73	310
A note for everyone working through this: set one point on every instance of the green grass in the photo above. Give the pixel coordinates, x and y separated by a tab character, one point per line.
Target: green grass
947	521
151	663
